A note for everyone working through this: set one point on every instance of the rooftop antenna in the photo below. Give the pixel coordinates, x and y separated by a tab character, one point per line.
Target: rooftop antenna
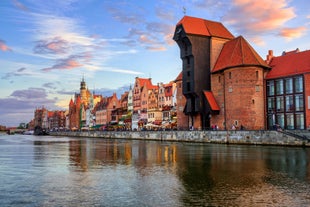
184	10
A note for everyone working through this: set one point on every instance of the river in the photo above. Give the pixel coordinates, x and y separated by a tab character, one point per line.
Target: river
64	171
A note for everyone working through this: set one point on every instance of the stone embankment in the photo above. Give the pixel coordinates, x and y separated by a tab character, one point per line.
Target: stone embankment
261	137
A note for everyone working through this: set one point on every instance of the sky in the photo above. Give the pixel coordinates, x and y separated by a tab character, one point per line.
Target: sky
47	47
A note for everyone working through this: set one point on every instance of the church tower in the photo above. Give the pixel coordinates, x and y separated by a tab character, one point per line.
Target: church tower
83	91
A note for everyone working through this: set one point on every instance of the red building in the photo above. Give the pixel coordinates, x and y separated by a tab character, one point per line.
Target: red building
288	90
226	83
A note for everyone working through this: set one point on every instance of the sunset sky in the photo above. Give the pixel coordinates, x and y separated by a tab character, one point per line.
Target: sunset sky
46	47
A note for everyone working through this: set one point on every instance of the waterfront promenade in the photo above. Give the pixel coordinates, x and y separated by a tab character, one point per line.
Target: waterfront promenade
261	137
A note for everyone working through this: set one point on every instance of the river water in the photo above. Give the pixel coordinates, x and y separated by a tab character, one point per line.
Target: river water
64	171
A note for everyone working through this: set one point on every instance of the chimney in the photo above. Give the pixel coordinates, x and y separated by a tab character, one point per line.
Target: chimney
269	56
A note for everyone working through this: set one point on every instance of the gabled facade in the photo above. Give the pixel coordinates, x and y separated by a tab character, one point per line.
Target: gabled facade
104	108
140	102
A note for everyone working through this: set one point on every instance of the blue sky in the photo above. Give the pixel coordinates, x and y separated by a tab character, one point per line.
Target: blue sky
46	47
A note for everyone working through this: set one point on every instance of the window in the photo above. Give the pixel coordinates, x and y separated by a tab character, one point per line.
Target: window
257	89
289	121
236	122
271	105
300	121
256	73
219	78
229	75
299	84
279	87
280	103
289	103
299	102
280	120
288	85
270	88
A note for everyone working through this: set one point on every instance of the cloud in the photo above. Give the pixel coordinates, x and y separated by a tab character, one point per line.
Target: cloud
258	17
49	85
73	61
19	72
20	105
126	13
150	35
116	70
290	33
109	92
31	93
55	45
3	46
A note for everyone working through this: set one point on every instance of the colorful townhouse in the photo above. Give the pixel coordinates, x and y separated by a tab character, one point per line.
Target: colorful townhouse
228	85
140	97
103	110
56	120
121	117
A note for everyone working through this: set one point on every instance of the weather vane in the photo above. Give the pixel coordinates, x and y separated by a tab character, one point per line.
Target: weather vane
184	10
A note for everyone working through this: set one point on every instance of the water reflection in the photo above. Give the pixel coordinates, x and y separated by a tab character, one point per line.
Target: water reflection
49	171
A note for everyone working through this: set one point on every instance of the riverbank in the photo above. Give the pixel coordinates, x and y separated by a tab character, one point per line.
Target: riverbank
261	137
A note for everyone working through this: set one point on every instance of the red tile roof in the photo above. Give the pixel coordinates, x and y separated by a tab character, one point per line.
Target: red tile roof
289	64
179	77
168	89
145	82
198	26
212	102
238	52
71	102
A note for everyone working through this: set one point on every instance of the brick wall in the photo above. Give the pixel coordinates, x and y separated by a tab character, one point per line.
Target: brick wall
240	94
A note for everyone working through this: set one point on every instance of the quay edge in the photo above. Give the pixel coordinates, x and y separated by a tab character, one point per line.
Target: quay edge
260	137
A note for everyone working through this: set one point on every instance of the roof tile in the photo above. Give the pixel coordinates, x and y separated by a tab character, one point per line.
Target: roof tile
289	64
238	52
198	26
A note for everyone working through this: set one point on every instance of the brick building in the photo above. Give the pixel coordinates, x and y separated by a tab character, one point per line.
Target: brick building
288	90
226	83
237	83
200	43
182	118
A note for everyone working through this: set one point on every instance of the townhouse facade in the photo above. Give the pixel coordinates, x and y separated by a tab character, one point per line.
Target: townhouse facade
104	109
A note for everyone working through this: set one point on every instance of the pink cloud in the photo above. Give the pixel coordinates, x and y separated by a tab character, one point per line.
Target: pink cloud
290	33
259	16
65	64
4	47
55	45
